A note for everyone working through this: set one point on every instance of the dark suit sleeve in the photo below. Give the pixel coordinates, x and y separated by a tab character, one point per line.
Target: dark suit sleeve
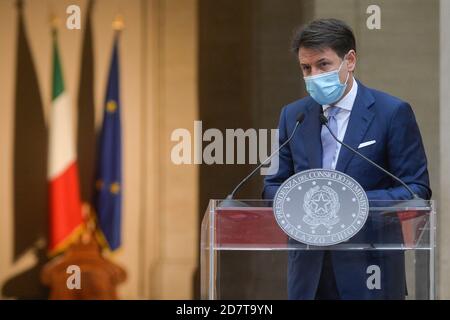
406	158
285	165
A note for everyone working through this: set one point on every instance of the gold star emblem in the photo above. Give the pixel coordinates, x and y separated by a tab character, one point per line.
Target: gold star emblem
114	188
111	106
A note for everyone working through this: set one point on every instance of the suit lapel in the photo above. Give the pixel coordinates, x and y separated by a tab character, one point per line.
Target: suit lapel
360	119
310	135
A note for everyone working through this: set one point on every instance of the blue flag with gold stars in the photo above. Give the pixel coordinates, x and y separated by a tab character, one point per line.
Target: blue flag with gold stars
108	198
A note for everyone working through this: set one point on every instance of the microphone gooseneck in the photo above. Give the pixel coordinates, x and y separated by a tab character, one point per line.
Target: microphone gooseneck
299	120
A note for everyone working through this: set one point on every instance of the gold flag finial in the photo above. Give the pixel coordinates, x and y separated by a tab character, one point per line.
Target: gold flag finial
54	25
118	23
54	21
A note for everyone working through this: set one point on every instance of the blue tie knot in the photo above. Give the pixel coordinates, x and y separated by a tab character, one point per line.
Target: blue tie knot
333	111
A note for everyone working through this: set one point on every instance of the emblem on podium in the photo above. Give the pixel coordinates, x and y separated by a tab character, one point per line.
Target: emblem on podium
321	207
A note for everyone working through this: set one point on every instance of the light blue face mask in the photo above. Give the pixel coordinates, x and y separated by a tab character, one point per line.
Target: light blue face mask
326	88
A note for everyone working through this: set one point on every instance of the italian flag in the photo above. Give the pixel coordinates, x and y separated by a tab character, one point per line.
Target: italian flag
64	198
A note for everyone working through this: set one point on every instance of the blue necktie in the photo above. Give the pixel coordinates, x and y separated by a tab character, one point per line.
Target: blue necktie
329	145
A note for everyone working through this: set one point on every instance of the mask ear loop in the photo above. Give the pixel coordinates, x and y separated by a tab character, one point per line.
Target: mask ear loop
348	73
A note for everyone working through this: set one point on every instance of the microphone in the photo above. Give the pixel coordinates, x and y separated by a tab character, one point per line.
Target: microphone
324	121
299	120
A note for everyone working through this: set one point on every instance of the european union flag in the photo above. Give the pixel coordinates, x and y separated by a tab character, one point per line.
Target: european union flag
108	200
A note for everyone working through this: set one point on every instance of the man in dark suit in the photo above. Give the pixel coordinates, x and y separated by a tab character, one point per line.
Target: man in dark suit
381	127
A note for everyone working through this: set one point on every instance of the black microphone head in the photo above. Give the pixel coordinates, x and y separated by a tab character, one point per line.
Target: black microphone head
323	120
300	117
321	110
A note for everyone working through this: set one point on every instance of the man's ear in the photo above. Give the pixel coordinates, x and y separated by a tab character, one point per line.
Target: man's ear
351	60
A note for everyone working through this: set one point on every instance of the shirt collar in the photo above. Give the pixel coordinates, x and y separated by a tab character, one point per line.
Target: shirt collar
348	100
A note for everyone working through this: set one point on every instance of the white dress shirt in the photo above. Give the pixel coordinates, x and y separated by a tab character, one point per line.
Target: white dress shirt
346	106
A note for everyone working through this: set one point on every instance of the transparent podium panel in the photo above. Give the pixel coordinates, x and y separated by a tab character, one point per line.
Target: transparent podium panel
246	255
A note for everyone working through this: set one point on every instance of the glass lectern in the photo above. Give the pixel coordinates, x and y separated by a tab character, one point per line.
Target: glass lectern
244	252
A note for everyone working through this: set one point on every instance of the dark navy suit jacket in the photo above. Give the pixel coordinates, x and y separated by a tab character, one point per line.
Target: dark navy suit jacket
398	148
